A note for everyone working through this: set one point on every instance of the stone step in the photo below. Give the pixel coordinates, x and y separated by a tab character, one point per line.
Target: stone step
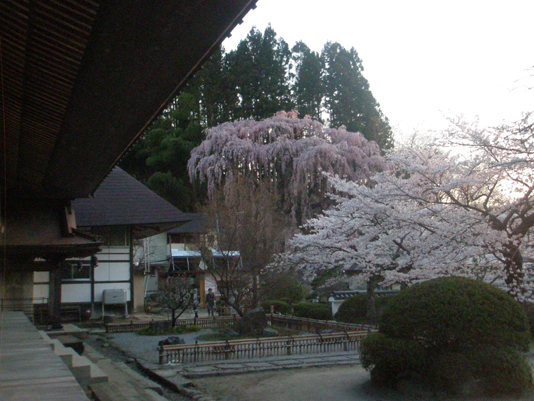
117	391
120	370
141	380
124	384
83	369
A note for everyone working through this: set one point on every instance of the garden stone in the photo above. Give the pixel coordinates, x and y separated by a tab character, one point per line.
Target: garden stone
173	340
269	332
253	322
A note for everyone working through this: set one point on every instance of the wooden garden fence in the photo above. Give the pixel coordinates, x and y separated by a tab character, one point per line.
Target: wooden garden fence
314	325
205	323
261	347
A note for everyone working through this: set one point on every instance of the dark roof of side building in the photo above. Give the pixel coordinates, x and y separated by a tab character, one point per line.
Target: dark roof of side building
122	200
197	225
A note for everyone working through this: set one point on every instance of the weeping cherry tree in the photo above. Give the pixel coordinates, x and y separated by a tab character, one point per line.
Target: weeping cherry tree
285	154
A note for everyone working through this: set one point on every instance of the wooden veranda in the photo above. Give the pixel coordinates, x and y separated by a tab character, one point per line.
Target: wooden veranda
29	369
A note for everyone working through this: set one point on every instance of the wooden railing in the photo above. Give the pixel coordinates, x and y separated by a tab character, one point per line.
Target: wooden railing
261	347
314	325
205	323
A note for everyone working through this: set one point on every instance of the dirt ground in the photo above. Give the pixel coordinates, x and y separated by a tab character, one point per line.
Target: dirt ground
344	383
338	384
349	383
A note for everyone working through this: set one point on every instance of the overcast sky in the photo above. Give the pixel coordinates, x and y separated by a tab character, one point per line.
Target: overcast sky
424	60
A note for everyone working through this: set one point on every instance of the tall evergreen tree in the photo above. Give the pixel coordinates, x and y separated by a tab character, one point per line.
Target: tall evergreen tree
218	95
160	158
349	101
260	67
308	88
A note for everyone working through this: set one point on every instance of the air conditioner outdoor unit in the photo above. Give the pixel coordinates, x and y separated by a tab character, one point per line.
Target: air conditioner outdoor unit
115	297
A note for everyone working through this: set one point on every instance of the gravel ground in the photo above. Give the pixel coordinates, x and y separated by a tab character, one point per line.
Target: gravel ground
145	347
311	384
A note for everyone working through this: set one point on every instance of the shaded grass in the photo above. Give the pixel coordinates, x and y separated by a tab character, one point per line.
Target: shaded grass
224	335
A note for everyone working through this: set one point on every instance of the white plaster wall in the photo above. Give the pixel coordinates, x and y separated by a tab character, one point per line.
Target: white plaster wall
71	293
119	271
156	247
115	271
40	291
335	305
158	244
151	283
41	277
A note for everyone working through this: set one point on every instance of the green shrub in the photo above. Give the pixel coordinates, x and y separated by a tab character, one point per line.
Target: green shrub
279	307
313	310
502	371
488	372
472	333
191	328
145	331
456	313
164	328
529	311
354	309
389	359
382	301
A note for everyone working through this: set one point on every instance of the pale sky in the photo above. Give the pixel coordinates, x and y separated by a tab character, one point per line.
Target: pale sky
424	60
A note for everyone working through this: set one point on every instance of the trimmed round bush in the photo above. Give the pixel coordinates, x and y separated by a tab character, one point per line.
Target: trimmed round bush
279	307
456	313
473	335
353	310
488	372
382	301
312	310
389	358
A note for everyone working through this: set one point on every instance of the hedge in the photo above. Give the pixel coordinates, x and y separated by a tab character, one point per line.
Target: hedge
354	309
313	310
279	307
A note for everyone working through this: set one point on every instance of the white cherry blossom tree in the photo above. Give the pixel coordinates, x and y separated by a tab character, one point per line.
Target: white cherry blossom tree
432	214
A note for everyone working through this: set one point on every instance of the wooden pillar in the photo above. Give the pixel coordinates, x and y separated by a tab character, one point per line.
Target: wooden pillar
202	288
54	297
131	257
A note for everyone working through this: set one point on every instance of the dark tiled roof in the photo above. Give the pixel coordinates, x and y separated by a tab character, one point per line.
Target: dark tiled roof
344	294
122	200
337	295
197	225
